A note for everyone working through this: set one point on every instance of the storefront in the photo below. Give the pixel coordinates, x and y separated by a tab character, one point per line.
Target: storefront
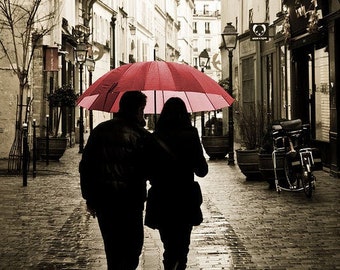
306	79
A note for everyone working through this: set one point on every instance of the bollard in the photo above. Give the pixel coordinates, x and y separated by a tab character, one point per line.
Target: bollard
25	155
34	149
70	127
47	140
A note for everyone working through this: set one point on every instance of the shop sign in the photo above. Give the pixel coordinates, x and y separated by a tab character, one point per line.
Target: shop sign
51	59
259	31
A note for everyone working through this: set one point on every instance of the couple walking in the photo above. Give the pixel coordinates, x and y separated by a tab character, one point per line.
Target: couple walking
119	157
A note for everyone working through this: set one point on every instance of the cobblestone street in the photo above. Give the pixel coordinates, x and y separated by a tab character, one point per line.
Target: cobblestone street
246	225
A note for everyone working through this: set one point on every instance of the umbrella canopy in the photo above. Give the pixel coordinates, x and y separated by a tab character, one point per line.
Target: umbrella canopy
159	81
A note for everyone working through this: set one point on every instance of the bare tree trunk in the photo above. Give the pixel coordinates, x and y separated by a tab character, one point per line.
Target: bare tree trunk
15	154
18	40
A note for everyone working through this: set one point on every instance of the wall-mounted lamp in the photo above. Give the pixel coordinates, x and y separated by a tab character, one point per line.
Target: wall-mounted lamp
132	29
91	64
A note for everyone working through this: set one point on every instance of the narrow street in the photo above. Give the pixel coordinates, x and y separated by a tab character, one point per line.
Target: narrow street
246	225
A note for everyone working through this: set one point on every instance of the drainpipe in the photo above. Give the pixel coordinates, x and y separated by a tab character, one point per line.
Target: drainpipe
113	41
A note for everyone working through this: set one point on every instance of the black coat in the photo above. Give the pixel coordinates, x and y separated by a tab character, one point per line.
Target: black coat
173	197
114	164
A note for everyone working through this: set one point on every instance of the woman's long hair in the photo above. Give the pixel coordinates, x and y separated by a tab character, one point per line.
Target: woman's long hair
174	115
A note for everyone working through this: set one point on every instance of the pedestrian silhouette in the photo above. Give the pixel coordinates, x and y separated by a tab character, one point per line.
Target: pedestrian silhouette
113	172
174	199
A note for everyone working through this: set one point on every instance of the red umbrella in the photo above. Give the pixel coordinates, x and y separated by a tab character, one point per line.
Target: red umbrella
159	81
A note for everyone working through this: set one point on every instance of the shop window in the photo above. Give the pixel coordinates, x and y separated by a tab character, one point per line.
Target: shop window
321	88
248	83
285	93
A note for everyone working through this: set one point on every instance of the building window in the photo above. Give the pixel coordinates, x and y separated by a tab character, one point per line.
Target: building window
207	27
206	9
267	11
194	27
195	62
208	45
194	45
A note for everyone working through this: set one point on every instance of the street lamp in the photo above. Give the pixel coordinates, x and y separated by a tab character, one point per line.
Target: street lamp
155	50
90	63
203	61
172	56
229	37
132	29
81	55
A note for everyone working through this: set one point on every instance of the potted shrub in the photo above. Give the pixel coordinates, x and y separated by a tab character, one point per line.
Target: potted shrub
62	100
215	143
251	127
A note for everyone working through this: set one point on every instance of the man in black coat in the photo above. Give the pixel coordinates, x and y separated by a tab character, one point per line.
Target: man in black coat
113	172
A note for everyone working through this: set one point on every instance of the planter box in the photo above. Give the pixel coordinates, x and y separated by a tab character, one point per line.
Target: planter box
266	167
248	162
57	147
216	147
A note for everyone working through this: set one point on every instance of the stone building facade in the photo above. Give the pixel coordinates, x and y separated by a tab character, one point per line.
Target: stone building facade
295	72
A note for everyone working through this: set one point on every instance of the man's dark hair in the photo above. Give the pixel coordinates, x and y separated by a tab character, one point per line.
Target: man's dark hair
131	101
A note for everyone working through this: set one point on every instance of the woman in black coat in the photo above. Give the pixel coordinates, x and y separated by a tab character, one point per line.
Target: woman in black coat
174	199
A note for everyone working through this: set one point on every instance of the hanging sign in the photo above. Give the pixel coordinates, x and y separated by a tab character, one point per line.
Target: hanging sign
51	59
259	31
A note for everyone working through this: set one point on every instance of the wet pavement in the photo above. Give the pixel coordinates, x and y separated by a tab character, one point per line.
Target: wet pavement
246	225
